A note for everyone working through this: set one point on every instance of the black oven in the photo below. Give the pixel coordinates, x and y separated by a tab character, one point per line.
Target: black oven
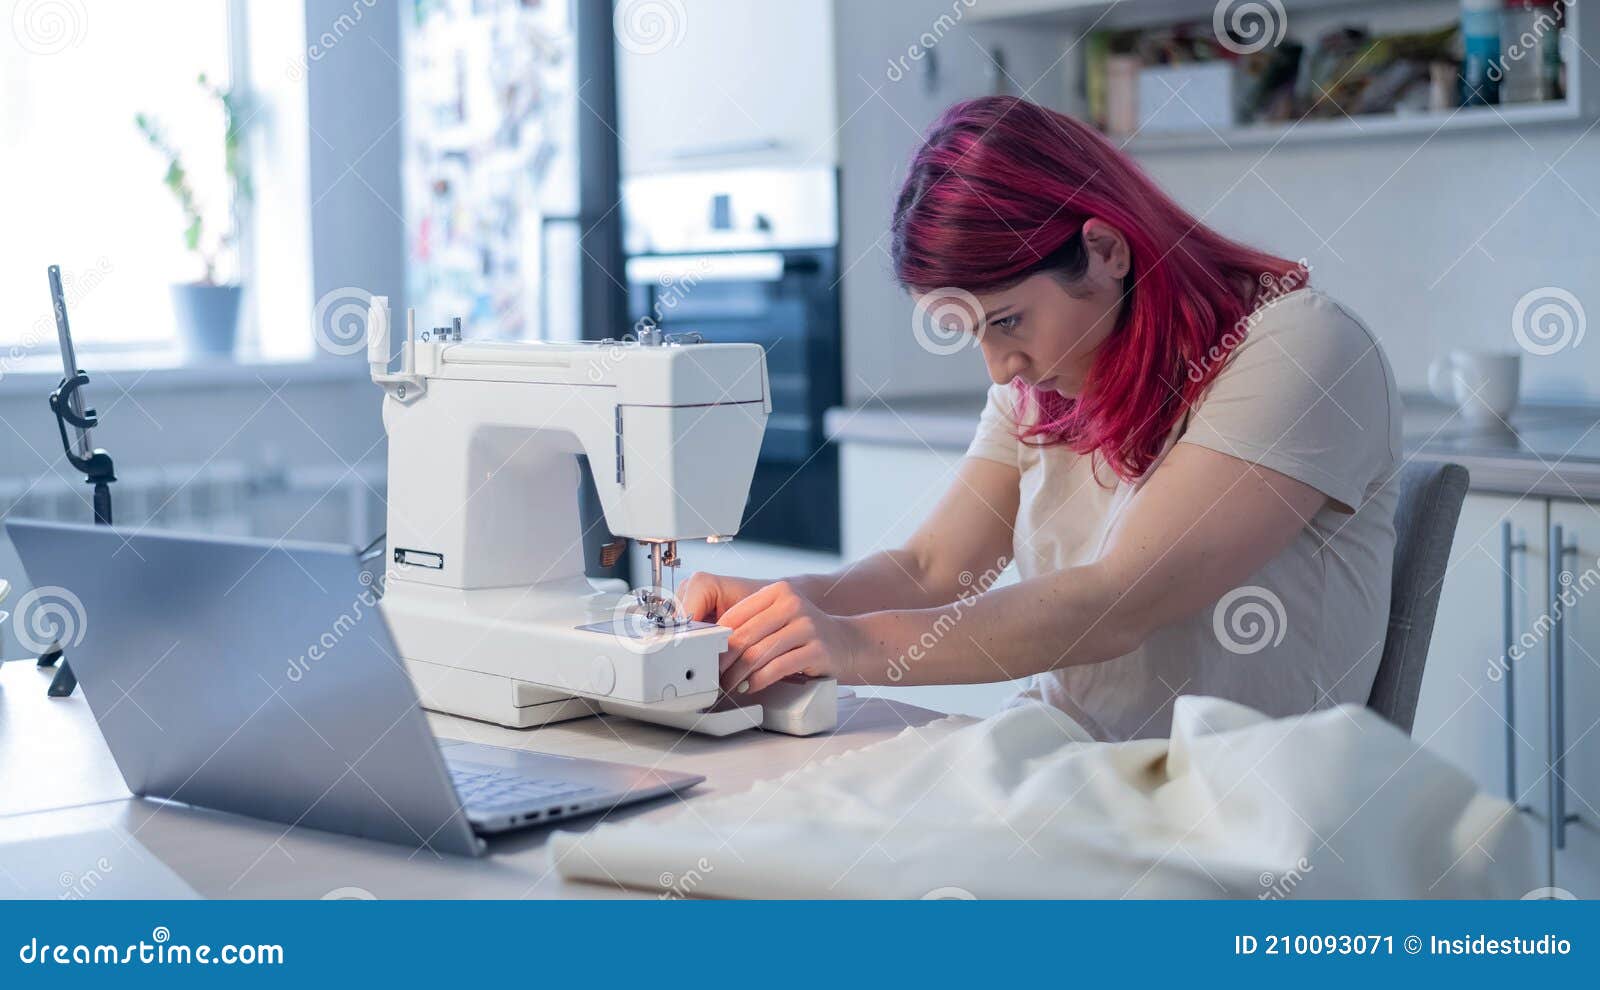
745	256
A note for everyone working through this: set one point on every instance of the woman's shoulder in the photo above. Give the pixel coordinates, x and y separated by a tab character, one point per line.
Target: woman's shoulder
1310	325
1307	338
1308	364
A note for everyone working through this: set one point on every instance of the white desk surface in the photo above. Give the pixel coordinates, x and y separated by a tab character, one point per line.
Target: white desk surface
58	779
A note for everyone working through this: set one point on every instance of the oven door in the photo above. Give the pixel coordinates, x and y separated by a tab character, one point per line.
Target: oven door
787	302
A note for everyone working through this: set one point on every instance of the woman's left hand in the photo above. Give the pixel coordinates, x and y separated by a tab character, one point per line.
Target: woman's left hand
777	633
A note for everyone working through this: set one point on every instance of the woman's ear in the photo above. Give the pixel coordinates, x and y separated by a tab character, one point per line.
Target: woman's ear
1107	249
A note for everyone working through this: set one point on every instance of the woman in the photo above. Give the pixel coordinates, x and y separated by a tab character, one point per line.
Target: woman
1189	454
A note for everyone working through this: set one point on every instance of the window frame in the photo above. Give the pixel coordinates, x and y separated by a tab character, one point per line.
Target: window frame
42	348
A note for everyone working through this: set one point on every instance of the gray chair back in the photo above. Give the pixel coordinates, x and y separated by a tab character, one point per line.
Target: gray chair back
1424	527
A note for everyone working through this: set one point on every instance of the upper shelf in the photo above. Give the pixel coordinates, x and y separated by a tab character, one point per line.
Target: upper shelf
1581	34
1355	128
1081	14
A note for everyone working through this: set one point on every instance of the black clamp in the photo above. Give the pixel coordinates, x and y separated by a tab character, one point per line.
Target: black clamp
97	468
99	472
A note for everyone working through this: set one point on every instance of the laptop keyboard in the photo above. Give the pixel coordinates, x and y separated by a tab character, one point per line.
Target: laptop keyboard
489	788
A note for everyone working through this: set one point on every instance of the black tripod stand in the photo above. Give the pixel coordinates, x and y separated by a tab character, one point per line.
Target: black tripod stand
67	404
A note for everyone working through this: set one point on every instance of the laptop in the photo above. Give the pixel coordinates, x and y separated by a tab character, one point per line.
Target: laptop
259	678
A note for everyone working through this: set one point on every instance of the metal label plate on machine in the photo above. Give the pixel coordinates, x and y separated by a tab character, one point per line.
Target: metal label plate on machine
406	557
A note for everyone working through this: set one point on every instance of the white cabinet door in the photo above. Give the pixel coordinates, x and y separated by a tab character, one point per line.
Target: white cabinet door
888	490
1482	706
703	83
1575	734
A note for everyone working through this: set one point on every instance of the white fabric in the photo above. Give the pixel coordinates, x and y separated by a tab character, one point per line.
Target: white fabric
1023	805
1308	394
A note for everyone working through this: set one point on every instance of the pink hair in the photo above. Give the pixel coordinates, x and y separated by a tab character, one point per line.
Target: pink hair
999	190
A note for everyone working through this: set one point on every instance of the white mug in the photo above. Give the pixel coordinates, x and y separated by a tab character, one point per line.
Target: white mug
1483	385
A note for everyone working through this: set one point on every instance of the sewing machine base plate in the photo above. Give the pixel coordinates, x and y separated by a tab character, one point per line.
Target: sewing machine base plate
795	706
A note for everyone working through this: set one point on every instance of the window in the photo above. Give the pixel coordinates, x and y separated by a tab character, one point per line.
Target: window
79	184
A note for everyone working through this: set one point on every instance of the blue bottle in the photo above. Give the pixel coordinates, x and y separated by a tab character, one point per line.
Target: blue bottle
1480	38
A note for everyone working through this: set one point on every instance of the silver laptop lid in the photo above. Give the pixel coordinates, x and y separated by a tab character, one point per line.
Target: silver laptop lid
247	676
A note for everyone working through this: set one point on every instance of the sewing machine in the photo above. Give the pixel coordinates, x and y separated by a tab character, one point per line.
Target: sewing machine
485	591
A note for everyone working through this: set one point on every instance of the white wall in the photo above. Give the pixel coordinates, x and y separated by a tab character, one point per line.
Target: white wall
1433	241
881	120
353	85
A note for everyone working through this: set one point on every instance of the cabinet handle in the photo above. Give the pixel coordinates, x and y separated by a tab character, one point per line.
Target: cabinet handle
1556	694
727	148
1509	546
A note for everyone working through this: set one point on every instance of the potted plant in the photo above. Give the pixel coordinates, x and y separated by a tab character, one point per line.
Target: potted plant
207	311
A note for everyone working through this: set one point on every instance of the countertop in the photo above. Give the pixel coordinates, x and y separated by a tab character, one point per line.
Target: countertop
1544	450
64	809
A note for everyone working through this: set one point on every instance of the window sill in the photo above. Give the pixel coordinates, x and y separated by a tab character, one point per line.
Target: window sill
36	375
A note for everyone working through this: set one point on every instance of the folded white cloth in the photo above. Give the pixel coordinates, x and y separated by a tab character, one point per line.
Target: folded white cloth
1337	803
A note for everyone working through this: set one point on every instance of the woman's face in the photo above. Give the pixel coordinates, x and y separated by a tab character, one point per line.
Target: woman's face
1046	332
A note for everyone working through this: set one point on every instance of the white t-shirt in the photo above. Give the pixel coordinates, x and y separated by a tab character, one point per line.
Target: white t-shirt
1308	394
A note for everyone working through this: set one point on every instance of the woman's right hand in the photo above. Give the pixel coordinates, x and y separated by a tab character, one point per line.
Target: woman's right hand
705	597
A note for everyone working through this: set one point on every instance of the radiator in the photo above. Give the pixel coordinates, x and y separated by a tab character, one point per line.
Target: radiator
329	504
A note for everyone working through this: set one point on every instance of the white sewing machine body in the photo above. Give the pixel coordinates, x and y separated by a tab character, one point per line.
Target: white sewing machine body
486	594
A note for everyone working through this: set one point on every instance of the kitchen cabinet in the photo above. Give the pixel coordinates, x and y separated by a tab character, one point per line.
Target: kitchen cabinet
1511	692
1478	711
889	490
714	83
1574	725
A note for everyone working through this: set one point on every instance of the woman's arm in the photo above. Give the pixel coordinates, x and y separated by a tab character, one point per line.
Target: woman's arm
1204	522
967	533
